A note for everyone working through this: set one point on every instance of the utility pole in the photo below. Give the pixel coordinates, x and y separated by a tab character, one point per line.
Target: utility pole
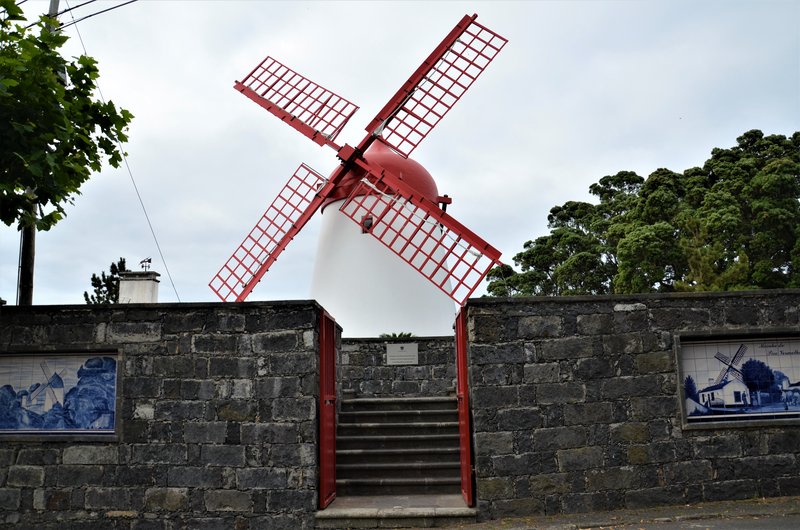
27	252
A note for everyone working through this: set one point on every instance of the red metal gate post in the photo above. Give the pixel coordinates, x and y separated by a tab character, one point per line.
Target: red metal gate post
327	410
462	394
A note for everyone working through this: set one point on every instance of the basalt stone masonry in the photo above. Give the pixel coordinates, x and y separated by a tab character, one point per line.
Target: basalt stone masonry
217	414
364	372
575	404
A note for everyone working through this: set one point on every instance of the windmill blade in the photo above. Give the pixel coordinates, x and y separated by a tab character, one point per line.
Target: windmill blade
443	250
436	85
299	199
722	358
739	354
308	107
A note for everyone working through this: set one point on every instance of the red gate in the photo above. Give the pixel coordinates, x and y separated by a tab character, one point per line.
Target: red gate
462	393
327	410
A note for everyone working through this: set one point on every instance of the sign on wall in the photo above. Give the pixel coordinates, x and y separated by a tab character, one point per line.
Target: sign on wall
739	380
58	393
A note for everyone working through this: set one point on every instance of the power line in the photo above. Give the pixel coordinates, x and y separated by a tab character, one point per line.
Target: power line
94	14
124	157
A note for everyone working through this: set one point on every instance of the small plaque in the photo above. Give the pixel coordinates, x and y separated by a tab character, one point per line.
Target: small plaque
402	353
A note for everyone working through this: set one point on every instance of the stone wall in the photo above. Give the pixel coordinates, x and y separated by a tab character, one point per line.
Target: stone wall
575	404
218	420
363	371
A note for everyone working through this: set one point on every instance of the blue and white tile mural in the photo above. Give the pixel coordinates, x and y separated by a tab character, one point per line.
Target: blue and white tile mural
741	380
58	394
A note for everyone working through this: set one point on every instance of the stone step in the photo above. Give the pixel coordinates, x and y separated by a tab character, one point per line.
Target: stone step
392	470
403	454
394	403
411	511
398	486
401	428
396	442
389	416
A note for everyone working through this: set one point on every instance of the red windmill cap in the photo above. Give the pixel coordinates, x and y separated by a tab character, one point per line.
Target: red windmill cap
407	170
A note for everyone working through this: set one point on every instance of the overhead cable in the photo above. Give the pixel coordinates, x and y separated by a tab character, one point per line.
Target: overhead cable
125	159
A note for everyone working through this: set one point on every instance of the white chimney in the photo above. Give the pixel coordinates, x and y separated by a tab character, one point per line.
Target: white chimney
138	287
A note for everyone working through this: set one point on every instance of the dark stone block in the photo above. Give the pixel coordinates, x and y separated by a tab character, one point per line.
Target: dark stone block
531	327
569	348
612	478
597	324
625	387
291	501
587	413
558	438
655	407
10	499
262	478
180	410
261	433
205	432
593	368
196	477
730	490
217	344
236	410
173	367
107	498
276	342
142	387
79	475
579	458
159	454
32	456
717	447
300	363
222	455
568	392
497	354
273	387
655	497
495	397
518	419
765	466
242	368
518	507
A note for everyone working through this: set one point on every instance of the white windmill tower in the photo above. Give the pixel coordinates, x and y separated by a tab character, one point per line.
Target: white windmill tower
375	191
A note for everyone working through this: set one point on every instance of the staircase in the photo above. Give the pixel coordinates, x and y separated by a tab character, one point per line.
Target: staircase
397	464
398	446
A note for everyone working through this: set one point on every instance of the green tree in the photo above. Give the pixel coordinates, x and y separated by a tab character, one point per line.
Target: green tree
733	223
690	389
106	287
53	131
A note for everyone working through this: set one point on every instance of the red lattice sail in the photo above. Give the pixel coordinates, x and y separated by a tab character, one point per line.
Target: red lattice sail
437	85
299	199
440	248
307	106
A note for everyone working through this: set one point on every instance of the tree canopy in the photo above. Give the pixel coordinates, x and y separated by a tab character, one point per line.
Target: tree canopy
106	286
732	224
53	131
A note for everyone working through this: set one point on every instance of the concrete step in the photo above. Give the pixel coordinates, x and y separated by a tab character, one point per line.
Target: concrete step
395	403
392	470
410	511
398	486
397	455
396	416
396	441
399	429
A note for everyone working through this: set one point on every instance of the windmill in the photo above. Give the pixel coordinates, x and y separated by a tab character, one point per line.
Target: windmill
730	365
376	187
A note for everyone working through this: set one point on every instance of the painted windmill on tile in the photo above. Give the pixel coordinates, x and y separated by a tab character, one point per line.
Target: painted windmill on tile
383	203
730	365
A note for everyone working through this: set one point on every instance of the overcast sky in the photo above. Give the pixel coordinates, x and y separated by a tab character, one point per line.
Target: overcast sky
582	90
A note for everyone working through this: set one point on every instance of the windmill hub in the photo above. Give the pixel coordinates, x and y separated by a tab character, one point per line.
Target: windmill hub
409	171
